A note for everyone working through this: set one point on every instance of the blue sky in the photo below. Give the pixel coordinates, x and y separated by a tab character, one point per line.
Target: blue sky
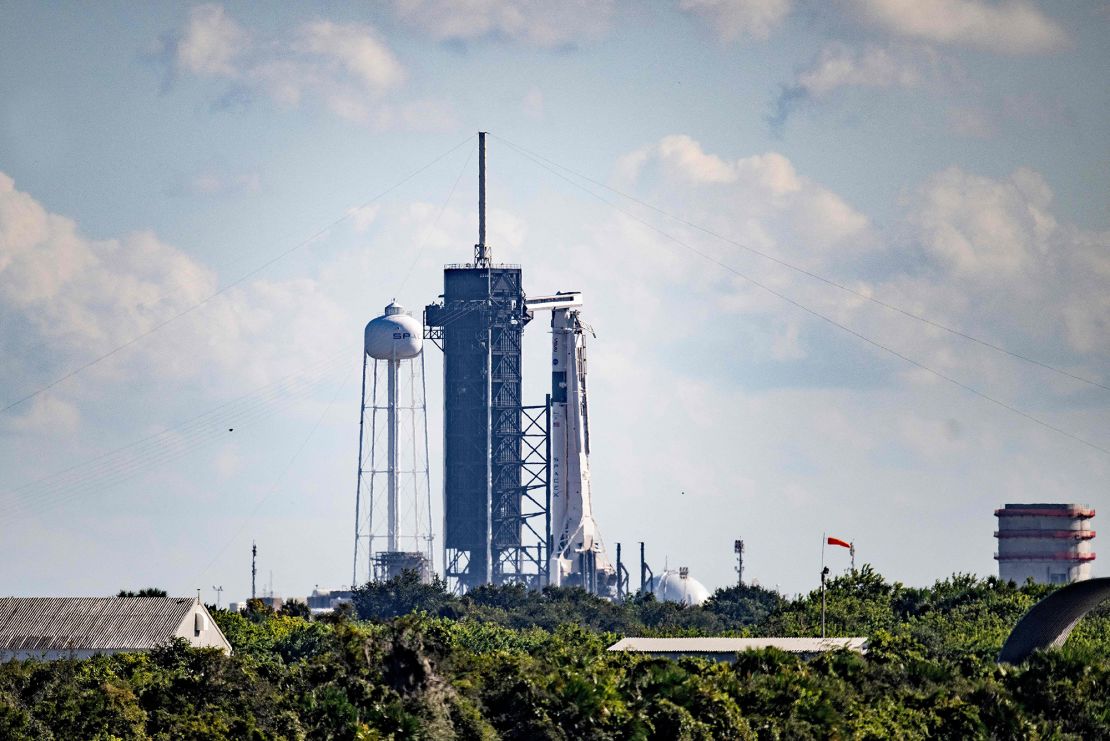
946	158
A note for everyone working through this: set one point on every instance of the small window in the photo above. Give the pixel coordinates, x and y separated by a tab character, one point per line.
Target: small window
200	623
1059	578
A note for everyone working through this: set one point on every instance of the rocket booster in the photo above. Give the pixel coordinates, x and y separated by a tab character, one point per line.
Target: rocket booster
573	528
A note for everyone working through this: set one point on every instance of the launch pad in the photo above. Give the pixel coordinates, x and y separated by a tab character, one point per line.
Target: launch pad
516	486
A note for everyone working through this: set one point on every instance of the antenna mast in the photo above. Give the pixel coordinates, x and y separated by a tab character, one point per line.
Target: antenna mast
482	257
738	549
254	568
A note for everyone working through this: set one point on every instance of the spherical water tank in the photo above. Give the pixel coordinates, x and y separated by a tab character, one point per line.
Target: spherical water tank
393	336
672	586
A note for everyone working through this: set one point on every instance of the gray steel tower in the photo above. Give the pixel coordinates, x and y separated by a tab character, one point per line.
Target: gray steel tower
478	326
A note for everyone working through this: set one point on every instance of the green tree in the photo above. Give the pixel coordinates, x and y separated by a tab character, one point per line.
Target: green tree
146	592
402	595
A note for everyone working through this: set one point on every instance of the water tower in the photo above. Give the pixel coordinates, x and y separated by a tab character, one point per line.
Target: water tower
393	518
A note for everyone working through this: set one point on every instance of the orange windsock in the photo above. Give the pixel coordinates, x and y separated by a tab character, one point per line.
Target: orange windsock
839	542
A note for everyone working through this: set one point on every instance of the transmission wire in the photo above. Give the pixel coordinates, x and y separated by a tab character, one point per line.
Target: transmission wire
249	274
279	479
819	315
811	274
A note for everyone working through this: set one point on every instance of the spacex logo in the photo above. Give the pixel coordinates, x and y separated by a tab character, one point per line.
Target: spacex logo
401	335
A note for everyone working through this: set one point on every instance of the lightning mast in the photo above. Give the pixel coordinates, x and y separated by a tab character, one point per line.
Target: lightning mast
478	325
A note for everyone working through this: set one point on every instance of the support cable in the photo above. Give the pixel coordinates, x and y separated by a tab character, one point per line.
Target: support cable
813	312
434	224
124	463
811	274
281	477
220	291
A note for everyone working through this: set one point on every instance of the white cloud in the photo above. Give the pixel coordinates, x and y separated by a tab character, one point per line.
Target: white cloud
685	159
1000	242
347	69
533	22
210	42
981	227
73	298
988	256
842	66
817	426
839	66
734	19
1008	27
355	48
763	195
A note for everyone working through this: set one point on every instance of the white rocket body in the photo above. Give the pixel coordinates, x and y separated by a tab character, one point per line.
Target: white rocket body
573	528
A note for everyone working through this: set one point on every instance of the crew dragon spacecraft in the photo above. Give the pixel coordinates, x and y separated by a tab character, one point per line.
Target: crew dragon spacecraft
577	553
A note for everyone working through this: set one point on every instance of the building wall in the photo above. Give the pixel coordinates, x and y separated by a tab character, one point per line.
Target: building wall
202	632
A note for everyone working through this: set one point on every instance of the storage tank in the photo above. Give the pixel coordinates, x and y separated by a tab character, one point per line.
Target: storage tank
676	585
1048	543
395	335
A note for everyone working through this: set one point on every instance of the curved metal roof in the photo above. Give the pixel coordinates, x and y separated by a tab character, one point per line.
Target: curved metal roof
1049	622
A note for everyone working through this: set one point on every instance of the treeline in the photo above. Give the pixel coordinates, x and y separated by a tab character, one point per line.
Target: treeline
415	662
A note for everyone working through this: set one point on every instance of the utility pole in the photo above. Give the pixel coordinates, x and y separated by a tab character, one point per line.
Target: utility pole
643	569
619	567
824	574
254	567
738	549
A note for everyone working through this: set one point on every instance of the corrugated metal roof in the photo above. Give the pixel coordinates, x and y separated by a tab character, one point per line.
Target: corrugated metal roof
715	645
89	623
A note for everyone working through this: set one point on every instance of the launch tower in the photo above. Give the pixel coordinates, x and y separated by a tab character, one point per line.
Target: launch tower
478	326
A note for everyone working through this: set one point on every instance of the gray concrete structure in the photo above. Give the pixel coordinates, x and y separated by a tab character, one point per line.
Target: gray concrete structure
80	627
726	649
1048	543
1049	623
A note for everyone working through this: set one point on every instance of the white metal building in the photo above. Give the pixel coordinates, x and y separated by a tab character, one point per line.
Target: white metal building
1049	543
80	627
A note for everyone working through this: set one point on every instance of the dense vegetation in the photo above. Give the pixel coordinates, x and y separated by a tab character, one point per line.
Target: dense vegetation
505	663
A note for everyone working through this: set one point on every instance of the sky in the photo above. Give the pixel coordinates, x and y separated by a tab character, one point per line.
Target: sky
847	263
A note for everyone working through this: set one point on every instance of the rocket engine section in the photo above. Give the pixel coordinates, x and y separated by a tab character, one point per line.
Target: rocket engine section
577	555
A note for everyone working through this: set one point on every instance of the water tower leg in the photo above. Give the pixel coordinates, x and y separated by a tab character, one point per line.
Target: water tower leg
391	491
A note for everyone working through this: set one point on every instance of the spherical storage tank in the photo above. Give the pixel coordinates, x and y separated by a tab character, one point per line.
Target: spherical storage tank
672	586
393	336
